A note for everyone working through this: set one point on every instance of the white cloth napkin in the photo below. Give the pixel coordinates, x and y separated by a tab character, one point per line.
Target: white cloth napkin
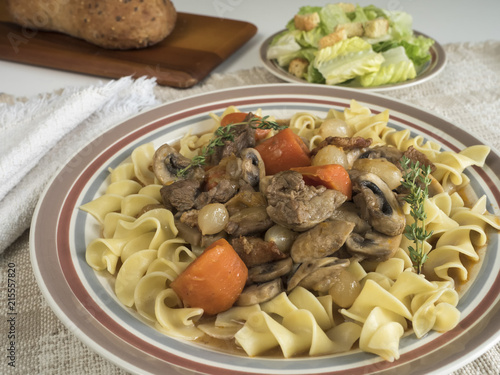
40	135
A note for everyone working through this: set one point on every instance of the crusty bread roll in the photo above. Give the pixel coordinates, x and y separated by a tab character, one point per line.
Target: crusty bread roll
114	24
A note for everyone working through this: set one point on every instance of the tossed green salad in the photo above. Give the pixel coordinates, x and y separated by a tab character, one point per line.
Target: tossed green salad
346	43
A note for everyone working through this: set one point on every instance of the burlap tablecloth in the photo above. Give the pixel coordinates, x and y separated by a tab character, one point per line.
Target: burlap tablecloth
467	93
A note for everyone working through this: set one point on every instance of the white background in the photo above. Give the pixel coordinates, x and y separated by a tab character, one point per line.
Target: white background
447	21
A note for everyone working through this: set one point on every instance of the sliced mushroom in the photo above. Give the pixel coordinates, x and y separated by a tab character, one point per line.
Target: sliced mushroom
373	245
188	233
321	241
387	152
248	221
378	204
264	183
317	275
252	166
259	293
349	212
193	235
383	168
270	271
167	163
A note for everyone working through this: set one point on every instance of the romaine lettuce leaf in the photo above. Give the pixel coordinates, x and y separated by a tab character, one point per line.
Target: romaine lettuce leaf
313	75
397	67
372	12
332	15
284	49
401	24
358	15
347	59
417	48
310	38
354	44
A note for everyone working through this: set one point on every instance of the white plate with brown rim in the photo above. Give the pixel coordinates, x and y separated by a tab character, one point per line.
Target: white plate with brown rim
84	299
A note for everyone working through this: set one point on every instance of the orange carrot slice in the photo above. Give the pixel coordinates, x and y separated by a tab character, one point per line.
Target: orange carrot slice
283	151
214	280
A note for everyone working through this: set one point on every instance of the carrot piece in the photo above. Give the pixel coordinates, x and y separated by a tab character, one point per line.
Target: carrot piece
261	134
233	118
214	280
332	176
283	151
236	117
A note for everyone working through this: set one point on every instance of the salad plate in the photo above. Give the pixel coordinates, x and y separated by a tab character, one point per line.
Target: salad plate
426	72
84	299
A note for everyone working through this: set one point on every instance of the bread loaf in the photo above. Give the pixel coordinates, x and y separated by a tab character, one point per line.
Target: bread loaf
114	24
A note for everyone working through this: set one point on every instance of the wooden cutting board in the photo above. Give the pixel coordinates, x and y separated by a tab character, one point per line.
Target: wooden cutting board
196	46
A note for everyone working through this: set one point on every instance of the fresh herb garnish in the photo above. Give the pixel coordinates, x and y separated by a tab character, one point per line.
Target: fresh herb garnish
416	178
223	134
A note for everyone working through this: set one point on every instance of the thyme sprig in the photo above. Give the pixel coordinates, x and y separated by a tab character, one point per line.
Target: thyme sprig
416	178
223	134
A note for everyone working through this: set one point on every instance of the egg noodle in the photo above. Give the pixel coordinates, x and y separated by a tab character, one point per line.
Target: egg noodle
145	254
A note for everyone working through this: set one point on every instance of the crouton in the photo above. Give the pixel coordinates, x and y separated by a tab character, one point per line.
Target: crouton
306	22
298	67
347	7
332	38
352	29
376	28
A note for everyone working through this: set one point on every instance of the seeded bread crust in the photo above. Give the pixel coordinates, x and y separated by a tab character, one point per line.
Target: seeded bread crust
112	24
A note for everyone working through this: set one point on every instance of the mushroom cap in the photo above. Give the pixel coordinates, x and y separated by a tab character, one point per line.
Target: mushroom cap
317	274
259	293
253	168
378	204
322	240
373	245
270	271
167	162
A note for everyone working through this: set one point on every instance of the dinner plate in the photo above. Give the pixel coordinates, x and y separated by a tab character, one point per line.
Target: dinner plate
429	70
84	299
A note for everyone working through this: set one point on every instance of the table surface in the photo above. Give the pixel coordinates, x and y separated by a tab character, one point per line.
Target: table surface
447	21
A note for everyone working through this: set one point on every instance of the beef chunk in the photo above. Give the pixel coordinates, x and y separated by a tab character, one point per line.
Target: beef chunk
414	155
254	250
220	193
190	218
243	136
180	195
297	206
